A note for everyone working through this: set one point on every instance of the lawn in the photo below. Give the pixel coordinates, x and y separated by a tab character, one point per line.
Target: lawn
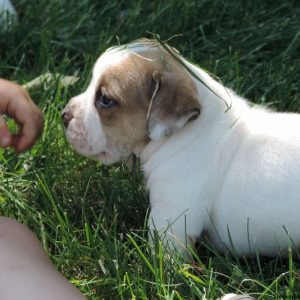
91	218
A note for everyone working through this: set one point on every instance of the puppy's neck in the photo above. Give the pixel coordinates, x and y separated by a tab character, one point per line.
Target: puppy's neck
145	150
221	109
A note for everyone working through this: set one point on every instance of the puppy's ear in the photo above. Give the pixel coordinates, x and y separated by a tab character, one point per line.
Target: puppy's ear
173	103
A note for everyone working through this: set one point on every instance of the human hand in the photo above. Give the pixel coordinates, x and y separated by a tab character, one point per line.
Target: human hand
17	104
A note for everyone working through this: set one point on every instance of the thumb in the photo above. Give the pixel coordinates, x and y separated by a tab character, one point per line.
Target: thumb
5	136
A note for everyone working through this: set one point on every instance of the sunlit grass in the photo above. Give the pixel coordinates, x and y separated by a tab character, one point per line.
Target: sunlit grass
91	218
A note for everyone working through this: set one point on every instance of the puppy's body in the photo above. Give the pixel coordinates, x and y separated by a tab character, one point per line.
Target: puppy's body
234	174
248	190
214	165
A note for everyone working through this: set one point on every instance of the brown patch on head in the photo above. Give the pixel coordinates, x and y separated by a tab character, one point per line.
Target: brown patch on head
149	92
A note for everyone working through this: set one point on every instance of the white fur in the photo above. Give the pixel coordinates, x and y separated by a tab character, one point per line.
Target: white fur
158	131
8	15
233	173
236	297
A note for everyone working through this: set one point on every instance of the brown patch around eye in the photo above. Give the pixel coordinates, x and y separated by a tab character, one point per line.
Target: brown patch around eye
102	100
128	84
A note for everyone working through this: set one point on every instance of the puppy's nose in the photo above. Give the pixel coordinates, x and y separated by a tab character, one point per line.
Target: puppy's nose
66	117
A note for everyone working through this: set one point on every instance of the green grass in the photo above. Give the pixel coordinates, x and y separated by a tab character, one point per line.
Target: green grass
91	218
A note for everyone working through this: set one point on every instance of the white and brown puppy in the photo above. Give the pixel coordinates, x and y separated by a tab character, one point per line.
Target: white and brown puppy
213	163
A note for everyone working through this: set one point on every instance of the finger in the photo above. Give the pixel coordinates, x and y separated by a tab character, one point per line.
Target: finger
19	106
5	136
29	132
26	137
30	122
27	116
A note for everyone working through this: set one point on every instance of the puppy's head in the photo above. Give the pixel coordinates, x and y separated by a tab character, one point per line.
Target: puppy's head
137	93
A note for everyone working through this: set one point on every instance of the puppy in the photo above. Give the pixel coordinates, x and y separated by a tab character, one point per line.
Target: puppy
213	163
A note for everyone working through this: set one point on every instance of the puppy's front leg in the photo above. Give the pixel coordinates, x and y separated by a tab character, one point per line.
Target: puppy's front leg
174	229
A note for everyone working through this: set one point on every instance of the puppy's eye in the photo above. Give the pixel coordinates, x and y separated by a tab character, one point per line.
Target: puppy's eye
103	101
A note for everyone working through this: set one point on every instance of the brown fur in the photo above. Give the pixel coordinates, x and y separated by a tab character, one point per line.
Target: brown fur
131	84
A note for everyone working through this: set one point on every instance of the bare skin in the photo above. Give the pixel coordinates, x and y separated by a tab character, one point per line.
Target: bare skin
17	104
26	272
